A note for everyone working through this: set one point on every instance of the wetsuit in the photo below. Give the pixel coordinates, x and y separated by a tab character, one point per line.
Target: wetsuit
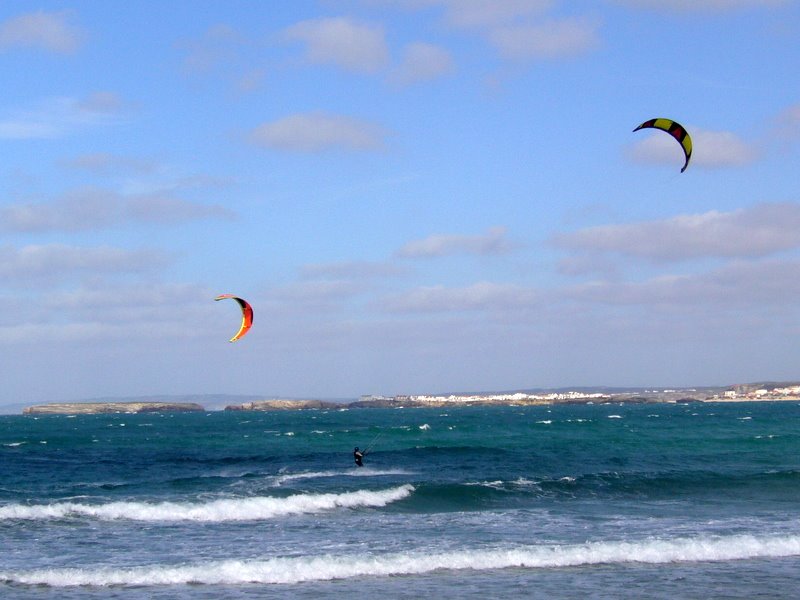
357	455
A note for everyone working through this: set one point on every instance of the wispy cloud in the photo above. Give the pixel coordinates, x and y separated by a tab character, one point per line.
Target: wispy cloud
315	132
92	208
489	13
58	262
751	284
787	123
57	117
106	163
701	5
551	39
711	149
757	231
478	296
359	270
216	47
494	241
51	31
226	53
422	62
102	308
520	30
341	41
125	301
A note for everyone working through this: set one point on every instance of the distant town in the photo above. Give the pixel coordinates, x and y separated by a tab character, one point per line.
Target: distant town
751	392
736	393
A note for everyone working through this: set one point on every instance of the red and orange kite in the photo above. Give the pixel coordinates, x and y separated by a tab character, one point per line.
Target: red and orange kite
247	315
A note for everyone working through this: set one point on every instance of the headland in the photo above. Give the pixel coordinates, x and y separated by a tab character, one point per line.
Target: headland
93	408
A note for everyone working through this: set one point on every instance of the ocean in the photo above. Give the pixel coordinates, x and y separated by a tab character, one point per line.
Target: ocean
698	500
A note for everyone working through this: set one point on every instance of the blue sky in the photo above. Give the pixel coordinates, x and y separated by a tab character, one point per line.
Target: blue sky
416	196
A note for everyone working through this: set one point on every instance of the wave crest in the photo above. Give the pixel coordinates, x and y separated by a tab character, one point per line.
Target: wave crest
229	509
329	567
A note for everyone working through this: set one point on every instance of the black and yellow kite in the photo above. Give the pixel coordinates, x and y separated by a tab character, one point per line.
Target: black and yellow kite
676	130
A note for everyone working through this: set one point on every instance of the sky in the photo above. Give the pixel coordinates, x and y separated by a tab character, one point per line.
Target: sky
416	196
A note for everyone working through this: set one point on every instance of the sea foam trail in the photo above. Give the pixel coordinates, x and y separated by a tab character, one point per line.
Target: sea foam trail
279	480
328	567
229	509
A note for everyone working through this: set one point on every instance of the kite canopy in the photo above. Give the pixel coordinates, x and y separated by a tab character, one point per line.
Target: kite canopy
247	315
676	130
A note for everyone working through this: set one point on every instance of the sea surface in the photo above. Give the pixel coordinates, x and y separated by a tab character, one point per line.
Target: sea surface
668	501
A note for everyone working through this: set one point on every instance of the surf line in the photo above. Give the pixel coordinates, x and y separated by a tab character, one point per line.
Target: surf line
217	511
292	570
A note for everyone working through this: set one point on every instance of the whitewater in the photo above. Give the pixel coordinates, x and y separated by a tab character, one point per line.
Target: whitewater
603	501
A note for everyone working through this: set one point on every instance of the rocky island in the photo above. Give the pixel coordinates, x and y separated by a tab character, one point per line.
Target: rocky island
94	408
266	405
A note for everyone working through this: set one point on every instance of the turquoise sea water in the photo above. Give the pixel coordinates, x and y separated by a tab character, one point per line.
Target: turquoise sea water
599	501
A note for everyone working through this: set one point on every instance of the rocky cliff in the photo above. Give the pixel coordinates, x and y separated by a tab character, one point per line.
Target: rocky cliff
282	405
93	408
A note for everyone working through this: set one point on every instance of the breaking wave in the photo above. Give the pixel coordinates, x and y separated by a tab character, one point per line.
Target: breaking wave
229	509
329	567
279	480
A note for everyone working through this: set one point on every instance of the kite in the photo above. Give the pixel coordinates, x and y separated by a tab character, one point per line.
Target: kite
247	315
676	130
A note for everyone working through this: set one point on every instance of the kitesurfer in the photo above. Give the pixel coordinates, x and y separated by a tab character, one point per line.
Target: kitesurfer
358	456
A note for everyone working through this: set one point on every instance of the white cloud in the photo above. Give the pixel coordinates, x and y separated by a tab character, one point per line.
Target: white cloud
518	29
552	39
343	42
131	304
701	5
479	296
109	310
752	232
46	30
350	270
314	299
750	285
251	80
102	102
489	13
788	123
104	162
709	149
590	262
223	52
95	208
57	117
721	149
422	62
492	242
314	132
215	49
57	262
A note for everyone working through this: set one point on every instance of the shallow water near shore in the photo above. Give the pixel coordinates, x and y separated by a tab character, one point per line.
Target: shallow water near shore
602	501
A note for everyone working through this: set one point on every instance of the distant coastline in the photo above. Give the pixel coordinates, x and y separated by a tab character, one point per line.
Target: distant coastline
93	408
751	392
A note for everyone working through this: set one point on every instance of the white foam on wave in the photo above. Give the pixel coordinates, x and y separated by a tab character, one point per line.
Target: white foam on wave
229	509
330	567
279	480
